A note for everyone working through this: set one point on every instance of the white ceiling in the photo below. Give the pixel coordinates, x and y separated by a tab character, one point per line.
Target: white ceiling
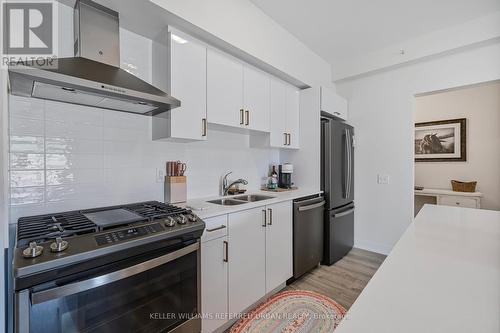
343	29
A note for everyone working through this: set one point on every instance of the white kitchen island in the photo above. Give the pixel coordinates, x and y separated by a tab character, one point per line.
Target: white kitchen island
442	276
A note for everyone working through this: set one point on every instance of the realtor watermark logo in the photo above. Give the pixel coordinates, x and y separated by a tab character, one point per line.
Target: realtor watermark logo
29	32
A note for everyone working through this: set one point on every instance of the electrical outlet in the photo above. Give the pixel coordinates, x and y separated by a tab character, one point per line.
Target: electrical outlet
383	179
160	175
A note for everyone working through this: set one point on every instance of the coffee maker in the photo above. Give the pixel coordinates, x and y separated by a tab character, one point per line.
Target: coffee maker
285	175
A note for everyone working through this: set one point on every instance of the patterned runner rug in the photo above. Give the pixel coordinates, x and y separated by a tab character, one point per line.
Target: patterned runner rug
296	311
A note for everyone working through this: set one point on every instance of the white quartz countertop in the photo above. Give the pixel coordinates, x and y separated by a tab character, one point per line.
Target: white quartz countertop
442	276
210	210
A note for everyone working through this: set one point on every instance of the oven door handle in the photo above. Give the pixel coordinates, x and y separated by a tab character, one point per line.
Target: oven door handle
77	287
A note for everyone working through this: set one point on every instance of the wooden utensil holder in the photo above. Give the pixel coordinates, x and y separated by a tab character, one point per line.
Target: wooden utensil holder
175	189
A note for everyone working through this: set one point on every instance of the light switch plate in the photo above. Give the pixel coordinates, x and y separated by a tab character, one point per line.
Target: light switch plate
383	179
160	175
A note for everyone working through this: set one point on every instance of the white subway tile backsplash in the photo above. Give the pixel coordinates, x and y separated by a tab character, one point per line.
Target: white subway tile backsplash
113	119
74	176
124	134
17	211
26	195
26	127
25	107
75	204
27	144
73	146
73	192
22	161
27	178
65	157
74	114
63	129
74	161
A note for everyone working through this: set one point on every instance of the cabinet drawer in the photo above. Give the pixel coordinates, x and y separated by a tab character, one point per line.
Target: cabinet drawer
458	201
215	227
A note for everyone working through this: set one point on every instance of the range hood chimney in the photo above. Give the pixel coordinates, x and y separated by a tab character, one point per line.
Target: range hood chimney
93	77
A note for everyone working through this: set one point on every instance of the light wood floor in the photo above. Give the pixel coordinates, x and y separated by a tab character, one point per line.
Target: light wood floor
344	280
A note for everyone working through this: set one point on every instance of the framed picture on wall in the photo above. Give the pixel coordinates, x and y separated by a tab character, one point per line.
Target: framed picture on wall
441	141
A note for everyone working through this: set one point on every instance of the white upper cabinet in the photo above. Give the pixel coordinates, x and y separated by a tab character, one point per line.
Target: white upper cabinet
237	94
189	85
188	73
256	99
284	115
292	116
214	87
224	90
333	104
278	103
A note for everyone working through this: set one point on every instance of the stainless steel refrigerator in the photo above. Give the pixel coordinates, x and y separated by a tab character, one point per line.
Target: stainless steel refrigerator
337	179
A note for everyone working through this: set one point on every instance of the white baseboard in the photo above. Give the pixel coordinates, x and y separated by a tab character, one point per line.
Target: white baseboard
373	246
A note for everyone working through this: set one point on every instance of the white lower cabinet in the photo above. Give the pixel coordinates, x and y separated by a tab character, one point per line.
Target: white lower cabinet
247	258
279	252
214	274
244	256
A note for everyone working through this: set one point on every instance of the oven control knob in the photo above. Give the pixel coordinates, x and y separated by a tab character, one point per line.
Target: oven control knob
181	219
192	218
33	250
59	245
169	222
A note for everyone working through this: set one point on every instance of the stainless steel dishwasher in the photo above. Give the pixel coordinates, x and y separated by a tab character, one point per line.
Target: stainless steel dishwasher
308	214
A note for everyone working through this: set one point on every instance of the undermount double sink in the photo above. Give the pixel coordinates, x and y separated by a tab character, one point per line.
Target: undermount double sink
241	199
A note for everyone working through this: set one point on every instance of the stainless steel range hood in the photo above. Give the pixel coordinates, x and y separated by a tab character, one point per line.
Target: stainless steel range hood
93	77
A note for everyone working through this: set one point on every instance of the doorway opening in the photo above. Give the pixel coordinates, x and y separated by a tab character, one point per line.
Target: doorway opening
457	138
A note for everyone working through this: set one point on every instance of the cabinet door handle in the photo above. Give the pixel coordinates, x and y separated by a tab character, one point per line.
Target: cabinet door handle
226	251
286	139
264	222
242	116
217	228
289	139
270	216
204	124
247	113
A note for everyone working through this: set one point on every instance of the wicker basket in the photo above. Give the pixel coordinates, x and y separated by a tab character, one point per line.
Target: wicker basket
458	186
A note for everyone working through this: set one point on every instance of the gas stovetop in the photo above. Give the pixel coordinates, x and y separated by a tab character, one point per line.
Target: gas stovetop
69	236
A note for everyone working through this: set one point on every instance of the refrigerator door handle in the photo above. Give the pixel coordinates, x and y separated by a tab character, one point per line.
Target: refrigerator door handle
345	179
349	159
347	212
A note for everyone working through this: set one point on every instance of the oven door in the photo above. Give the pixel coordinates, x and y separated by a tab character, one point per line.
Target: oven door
160	294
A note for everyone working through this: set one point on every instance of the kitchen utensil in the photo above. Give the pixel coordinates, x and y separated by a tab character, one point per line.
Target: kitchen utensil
169	169
181	168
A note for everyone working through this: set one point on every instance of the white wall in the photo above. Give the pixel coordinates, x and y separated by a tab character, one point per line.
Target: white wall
381	107
480	105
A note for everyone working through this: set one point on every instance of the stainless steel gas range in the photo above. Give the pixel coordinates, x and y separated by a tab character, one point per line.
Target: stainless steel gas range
130	268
